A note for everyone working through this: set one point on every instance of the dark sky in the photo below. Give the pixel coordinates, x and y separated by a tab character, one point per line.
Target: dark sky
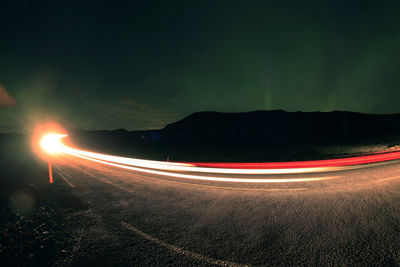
143	64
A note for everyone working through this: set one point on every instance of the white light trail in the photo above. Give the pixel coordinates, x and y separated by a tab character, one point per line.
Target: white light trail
52	143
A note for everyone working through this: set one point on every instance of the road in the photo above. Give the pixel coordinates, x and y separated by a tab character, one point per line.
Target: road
351	217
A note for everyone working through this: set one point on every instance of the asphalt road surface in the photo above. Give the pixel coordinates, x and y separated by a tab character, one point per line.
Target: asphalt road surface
130	218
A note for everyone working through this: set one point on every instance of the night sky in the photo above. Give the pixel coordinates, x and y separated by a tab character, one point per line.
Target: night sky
144	64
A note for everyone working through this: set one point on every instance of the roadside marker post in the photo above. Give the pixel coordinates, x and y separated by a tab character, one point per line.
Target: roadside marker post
50	173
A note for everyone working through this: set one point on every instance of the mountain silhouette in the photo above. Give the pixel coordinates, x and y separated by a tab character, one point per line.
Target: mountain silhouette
260	127
248	136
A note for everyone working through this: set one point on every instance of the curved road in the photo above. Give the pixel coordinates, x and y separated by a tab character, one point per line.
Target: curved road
350	217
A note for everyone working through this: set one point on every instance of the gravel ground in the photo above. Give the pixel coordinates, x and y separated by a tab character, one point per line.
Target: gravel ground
38	238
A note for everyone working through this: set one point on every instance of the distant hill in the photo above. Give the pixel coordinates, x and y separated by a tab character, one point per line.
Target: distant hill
255	135
259	127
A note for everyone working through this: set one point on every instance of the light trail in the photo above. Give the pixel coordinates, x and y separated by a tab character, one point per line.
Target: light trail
52	144
205	178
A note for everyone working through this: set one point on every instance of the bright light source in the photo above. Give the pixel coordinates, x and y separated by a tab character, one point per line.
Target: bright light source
51	143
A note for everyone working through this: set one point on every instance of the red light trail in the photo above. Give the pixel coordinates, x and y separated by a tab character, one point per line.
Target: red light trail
52	144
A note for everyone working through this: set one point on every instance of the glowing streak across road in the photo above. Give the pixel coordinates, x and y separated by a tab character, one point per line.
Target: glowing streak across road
171	166
52	144
206	178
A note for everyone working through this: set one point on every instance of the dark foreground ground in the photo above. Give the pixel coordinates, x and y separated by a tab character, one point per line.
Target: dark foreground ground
32	224
98	215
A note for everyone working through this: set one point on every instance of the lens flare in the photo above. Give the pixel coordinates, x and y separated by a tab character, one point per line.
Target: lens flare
51	143
46	141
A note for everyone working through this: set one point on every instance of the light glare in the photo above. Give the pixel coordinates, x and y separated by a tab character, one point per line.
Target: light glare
51	143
